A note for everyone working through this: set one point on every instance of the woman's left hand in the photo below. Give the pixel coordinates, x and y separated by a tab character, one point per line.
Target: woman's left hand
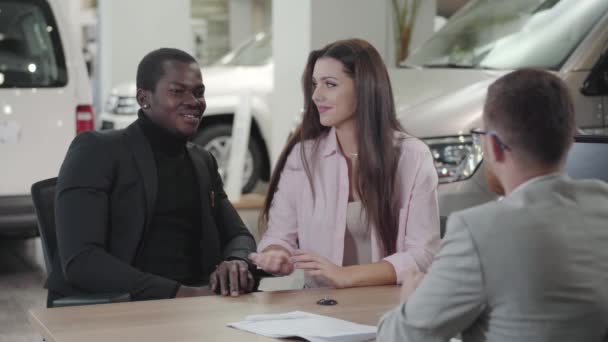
318	266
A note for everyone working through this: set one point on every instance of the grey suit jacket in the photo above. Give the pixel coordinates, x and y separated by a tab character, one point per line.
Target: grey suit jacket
532	267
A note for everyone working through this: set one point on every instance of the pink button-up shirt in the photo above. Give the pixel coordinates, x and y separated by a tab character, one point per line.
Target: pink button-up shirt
296	221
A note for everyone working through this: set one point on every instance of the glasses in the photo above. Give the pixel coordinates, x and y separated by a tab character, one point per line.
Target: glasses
476	133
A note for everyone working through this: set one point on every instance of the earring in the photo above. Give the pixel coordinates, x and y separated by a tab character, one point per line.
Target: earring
145	106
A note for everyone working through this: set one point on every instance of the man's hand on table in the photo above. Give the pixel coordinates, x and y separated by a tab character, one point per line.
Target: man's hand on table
232	278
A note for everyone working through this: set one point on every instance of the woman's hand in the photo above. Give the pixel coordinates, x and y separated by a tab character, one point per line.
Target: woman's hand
273	260
318	266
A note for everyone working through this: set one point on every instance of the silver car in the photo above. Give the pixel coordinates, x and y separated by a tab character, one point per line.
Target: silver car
442	86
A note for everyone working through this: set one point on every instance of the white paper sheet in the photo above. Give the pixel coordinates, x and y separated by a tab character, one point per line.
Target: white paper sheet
312	327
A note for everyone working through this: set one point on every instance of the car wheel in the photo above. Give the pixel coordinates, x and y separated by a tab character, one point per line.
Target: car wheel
217	139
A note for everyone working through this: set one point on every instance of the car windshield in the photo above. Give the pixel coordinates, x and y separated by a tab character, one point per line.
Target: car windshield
256	51
30	49
499	34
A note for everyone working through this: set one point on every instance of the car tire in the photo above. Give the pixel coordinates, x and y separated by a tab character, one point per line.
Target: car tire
212	137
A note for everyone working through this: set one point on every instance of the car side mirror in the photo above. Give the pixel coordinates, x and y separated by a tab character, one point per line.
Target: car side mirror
596	83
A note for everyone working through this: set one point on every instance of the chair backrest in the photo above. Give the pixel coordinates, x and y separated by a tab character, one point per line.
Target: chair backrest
43	195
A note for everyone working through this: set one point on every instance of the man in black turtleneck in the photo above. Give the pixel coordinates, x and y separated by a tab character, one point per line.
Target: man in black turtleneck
143	211
171	246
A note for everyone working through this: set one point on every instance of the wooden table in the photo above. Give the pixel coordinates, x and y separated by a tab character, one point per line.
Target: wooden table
203	318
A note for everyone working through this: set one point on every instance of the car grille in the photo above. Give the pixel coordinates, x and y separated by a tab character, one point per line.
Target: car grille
107	125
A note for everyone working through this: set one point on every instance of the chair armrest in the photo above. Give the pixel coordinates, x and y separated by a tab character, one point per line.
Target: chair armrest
101	298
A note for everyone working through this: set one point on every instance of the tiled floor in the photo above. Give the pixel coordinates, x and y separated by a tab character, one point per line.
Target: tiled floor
22	275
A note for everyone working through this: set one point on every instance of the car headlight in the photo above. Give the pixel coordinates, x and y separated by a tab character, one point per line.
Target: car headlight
456	158
122	104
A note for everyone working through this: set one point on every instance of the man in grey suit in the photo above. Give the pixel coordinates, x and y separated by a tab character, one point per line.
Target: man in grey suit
533	266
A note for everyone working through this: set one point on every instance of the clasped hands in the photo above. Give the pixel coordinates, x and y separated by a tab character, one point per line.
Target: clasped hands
278	261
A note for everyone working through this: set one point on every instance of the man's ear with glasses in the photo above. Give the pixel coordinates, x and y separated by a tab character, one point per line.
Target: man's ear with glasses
498	148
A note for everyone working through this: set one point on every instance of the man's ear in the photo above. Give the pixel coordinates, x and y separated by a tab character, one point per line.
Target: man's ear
498	151
143	98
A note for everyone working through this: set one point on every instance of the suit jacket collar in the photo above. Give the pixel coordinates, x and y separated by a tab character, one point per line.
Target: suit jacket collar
540	179
210	254
144	159
537	188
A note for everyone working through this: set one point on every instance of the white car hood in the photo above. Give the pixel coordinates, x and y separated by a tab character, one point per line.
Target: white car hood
220	81
125	89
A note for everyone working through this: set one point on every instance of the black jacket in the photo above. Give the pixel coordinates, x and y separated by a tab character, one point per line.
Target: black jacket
106	192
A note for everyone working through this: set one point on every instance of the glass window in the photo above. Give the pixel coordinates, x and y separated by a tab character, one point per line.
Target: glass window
498	34
30	49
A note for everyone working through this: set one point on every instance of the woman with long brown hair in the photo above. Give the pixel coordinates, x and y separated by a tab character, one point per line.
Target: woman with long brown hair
352	200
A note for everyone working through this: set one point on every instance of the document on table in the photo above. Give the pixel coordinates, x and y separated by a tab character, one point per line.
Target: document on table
312	327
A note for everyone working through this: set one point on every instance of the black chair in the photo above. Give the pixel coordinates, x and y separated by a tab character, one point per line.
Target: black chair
43	196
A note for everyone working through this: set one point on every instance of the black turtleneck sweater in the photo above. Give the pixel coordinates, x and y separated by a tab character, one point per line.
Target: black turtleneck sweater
172	244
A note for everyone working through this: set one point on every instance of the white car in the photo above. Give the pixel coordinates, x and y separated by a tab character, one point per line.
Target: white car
248	68
45	100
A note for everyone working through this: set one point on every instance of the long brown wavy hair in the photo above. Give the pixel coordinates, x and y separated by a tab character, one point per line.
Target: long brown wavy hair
376	126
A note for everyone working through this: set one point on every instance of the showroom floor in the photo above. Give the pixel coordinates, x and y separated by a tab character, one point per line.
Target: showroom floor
21	279
22	276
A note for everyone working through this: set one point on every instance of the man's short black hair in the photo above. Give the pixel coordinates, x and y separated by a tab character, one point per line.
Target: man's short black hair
533	112
151	68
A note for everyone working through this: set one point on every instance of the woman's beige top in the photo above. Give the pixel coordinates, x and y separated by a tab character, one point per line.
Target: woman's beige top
357	238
